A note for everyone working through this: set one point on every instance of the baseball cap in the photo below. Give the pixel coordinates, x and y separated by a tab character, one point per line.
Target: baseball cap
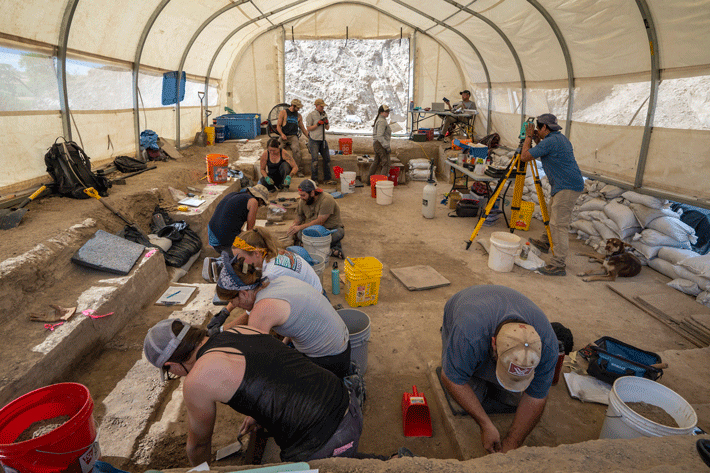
308	185
385	108
160	343
550	120
466	91
518	347
296	103
320	102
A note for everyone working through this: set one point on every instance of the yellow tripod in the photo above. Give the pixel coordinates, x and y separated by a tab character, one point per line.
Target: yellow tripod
517	169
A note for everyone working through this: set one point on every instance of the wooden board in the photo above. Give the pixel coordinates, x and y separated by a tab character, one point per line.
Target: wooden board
169	148
676	304
418	278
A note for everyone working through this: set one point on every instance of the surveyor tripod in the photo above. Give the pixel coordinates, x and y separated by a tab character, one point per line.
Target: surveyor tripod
517	168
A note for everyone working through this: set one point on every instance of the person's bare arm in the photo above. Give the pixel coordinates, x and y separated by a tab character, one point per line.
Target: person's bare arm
464	395
297	227
526	418
253	206
201	414
302	126
262	162
288	157
269	313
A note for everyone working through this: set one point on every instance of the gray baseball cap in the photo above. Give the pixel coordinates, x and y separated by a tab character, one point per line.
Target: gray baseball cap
160	343
550	120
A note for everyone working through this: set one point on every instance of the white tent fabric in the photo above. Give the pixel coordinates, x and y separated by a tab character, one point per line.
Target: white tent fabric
519	57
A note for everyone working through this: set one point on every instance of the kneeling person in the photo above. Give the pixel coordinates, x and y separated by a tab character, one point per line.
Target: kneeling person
499	354
307	409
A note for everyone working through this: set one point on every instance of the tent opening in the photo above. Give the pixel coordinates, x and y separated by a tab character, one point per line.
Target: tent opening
353	77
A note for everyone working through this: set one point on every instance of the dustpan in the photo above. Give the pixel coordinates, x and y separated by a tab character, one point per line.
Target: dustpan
415	415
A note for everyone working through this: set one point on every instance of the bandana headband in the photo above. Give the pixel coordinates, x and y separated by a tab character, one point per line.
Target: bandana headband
243	245
229	280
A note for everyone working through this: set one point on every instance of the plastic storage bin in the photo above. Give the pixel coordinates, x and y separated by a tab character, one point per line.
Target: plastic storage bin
239	126
362	281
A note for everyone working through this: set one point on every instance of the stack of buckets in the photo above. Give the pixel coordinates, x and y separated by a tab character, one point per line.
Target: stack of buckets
373	181
362	281
217	167
358	324
316	245
72	446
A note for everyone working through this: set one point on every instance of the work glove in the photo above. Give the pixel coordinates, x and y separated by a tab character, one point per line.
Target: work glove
215	325
287	181
269	181
325	120
321	122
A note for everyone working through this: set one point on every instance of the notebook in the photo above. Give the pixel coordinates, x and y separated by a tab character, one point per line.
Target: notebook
438	107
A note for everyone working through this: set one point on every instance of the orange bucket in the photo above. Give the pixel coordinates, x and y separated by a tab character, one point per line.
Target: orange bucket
373	181
217	167
346	145
416	418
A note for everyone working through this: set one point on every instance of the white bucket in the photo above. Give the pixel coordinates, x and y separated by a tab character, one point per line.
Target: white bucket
358	324
319	265
385	192
347	182
317	246
504	247
622	422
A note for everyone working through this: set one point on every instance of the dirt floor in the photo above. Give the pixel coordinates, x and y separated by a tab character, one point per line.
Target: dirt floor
405	345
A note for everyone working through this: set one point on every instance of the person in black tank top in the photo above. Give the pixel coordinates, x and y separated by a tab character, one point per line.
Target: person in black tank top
307	409
277	167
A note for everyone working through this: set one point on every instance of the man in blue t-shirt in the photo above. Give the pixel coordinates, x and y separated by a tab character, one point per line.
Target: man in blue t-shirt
498	355
557	157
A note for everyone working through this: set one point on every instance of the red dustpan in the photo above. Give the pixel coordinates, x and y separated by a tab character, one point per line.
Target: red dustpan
415	415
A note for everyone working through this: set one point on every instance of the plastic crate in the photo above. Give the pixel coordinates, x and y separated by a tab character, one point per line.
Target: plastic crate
478	152
522	220
239	126
362	281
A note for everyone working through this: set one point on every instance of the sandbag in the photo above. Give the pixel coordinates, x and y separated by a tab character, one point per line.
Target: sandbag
646	200
594	204
611	191
604	231
699	265
647	251
684	286
674	228
663	267
621	215
585	226
646	215
702	282
652	237
675	255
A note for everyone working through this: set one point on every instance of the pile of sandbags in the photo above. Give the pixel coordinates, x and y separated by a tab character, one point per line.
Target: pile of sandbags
657	234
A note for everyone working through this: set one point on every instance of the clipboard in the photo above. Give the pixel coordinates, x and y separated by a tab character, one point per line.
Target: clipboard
175	295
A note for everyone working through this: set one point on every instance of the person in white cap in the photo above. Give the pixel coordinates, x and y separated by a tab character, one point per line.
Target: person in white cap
499	353
557	157
287	126
317	123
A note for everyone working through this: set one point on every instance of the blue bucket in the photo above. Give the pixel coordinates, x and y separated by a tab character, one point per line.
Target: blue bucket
219	133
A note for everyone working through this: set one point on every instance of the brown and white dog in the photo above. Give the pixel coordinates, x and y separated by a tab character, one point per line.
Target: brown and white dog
617	262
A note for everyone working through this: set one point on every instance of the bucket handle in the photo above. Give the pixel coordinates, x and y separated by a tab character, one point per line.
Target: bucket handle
72	451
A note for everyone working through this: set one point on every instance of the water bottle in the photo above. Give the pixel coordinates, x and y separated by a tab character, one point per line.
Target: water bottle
335	274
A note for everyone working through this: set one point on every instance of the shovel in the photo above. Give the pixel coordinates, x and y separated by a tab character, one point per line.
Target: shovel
201	136
91	192
11	218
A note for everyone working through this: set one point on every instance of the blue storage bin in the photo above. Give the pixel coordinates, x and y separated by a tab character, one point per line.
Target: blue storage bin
239	126
479	152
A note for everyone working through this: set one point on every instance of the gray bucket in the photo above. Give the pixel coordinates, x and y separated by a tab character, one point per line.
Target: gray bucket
358	324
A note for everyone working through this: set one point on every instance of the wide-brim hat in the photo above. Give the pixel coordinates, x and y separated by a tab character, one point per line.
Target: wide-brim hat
260	192
296	103
519	347
320	102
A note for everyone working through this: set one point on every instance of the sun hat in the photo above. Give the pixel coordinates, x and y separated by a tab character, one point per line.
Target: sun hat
296	103
320	102
260	192
160	343
550	120
518	347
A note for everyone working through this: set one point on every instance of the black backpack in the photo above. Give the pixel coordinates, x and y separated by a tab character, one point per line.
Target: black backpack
70	168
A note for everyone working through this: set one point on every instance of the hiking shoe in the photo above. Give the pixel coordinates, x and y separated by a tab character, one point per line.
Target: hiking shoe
540	245
550	270
207	274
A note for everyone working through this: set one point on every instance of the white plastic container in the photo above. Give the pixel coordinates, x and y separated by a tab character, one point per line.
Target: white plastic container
317	245
347	182
385	192
621	422
429	200
504	248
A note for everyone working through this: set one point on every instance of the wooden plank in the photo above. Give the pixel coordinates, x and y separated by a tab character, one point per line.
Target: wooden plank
649	308
169	148
675	304
661	318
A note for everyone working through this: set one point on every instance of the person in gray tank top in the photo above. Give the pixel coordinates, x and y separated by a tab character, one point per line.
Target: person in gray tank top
292	308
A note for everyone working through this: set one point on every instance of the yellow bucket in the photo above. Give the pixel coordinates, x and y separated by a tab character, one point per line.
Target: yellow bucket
209	131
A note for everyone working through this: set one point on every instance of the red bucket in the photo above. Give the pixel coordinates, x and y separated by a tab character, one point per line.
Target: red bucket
217	168
393	175
70	448
346	145
373	180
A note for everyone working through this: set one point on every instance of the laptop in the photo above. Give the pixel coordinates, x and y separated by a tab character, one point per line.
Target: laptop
438	107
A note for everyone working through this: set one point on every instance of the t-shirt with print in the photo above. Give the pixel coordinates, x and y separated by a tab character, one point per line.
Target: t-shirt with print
324	204
286	263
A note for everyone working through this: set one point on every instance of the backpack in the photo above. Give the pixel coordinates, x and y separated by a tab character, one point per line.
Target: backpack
610	359
128	164
467	208
70	169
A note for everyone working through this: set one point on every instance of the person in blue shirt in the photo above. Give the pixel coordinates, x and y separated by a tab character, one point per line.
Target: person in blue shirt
498	355
555	152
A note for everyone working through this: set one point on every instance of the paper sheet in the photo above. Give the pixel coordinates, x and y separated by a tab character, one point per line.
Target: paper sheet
176	295
192	202
587	388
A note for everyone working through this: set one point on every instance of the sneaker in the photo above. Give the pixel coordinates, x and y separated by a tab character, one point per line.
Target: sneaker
207	269
540	245
550	270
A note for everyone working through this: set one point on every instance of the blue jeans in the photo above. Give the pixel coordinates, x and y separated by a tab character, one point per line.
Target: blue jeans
321	147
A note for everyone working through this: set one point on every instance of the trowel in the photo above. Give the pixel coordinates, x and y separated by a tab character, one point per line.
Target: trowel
229	450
